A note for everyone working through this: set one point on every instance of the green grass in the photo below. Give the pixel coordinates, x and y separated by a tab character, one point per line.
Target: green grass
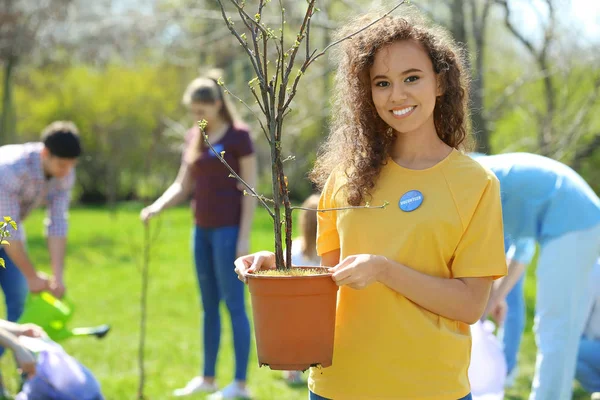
104	280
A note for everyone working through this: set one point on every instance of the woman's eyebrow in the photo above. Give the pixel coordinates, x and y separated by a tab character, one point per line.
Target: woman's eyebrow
408	71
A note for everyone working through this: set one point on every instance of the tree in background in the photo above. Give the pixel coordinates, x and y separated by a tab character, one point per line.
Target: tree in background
24	26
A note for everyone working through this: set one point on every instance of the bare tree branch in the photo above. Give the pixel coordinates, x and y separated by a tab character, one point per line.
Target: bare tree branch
232	171
513	29
227	91
586	151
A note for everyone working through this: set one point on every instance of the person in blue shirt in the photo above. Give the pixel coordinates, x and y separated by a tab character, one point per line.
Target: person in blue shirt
547	201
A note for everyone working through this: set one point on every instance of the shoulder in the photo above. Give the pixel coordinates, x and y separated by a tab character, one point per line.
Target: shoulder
470	183
239	138
335	185
14	157
240	128
465	171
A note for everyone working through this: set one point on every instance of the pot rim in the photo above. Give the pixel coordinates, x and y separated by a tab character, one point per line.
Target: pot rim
316	275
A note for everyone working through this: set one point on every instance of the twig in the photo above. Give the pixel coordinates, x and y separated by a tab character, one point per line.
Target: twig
245	14
143	312
227	91
384	205
255	64
314	57
258	196
231	170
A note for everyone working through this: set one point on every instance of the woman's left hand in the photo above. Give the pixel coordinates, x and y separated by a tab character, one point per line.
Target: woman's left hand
242	247
358	271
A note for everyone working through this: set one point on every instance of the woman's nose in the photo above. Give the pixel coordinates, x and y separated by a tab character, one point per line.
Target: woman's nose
398	94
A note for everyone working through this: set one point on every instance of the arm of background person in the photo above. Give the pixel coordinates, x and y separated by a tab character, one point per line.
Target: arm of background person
175	194
518	257
9	207
248	172
56	231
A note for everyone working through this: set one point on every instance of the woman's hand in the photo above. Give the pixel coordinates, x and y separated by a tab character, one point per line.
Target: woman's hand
496	309
254	262
31	330
358	271
148	212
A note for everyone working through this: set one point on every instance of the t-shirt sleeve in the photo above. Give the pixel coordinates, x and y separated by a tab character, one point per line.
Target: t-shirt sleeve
245	147
328	238
480	251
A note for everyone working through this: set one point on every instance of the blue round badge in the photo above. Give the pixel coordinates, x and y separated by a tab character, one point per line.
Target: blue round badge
410	200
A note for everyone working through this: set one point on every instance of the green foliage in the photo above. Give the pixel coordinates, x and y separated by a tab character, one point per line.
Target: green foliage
120	112
4	234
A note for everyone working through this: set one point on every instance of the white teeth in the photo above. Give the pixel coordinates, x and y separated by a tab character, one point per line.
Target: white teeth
403	111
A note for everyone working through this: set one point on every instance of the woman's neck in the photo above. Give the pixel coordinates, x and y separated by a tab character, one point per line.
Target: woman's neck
420	149
216	128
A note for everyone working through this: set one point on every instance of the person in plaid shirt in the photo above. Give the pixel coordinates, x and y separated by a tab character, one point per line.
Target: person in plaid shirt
33	174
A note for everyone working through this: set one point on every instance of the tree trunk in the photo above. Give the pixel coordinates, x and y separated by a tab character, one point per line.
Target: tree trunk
480	126
459	30
546	128
7	118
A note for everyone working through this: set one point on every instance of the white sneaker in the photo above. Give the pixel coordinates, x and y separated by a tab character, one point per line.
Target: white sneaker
231	391
196	385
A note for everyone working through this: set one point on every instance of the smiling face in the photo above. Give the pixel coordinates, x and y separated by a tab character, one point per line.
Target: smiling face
404	87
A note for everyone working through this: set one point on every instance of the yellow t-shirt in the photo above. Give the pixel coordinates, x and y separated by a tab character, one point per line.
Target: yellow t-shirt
386	346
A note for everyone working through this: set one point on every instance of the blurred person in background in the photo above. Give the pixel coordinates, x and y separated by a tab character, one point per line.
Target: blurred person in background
222	223
33	174
548	202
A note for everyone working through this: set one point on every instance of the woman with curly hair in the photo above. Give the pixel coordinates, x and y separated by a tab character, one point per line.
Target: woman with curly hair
416	274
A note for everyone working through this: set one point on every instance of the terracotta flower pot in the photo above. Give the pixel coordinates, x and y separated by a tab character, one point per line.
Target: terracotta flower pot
294	320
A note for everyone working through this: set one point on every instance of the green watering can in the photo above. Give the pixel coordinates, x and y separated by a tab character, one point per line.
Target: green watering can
52	314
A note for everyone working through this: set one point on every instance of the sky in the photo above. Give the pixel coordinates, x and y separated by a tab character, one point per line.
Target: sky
588	13
583	14
582	17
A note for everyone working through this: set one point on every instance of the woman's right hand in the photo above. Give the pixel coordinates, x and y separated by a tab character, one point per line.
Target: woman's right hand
254	262
148	212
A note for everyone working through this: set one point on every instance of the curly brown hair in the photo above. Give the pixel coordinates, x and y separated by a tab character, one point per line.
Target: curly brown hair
359	142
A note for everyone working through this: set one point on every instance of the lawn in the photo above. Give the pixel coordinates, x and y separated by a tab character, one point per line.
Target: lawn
104	280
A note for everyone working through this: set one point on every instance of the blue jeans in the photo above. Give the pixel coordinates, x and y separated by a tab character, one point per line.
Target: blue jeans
514	325
588	365
15	289
214	254
313	396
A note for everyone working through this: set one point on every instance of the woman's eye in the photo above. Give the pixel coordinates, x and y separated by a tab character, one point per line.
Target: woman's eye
411	79
382	84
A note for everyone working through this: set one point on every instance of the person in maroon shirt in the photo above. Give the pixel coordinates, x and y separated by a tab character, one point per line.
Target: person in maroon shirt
223	218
